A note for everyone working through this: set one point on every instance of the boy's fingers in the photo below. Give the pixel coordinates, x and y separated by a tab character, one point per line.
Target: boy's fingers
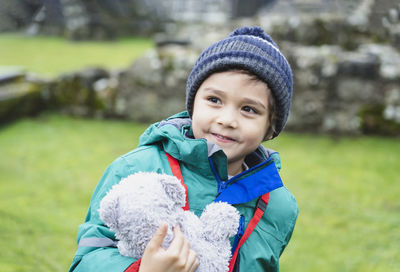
178	242
185	250
159	236
192	262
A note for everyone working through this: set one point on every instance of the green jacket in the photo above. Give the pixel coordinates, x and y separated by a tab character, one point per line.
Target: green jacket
204	170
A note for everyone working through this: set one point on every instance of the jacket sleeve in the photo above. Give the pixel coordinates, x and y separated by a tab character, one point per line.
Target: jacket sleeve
95	252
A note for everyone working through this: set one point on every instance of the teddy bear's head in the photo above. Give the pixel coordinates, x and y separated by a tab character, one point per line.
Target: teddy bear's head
135	208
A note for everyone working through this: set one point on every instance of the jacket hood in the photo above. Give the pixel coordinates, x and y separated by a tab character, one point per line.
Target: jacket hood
174	136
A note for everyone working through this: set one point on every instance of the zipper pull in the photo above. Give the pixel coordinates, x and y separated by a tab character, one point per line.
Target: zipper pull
222	186
241	226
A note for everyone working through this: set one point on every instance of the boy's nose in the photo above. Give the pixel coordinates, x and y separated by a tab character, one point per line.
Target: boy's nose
227	118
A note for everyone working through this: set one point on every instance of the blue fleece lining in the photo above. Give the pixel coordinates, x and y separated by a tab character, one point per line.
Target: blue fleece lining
253	186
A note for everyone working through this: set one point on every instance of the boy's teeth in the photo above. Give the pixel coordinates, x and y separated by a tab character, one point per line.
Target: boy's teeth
222	137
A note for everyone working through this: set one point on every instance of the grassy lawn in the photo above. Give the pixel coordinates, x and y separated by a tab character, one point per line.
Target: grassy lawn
50	56
348	194
347	190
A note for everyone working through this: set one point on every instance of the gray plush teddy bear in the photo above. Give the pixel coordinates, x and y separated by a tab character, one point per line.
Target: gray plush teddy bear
135	208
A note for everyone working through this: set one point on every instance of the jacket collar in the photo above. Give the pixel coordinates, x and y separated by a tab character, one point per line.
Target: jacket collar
176	137
252	183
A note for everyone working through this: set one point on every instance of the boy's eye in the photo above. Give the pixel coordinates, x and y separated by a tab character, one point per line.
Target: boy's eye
249	109
214	99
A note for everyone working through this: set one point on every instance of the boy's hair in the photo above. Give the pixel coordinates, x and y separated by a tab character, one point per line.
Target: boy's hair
252	50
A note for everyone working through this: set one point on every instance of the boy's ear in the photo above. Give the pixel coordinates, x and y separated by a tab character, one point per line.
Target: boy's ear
269	134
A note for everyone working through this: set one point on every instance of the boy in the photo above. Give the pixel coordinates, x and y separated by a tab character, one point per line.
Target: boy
238	95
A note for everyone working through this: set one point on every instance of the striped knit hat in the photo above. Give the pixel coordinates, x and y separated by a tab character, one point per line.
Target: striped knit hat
247	48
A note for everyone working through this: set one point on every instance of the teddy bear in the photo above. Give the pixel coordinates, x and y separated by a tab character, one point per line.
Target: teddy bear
135	207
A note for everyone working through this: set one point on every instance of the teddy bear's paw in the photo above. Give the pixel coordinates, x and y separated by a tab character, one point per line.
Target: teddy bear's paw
108	211
213	258
220	221
125	249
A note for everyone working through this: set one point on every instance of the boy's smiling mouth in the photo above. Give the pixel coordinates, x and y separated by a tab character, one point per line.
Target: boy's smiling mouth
222	138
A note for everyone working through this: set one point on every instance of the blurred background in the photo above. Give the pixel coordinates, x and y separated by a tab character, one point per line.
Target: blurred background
81	80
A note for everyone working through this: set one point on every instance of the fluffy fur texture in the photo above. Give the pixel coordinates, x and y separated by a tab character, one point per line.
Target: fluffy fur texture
135	207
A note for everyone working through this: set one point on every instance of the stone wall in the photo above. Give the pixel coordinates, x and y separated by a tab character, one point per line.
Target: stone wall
20	95
346	92
346	79
108	19
336	91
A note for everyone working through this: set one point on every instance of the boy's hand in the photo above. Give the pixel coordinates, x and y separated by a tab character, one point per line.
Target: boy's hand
178	257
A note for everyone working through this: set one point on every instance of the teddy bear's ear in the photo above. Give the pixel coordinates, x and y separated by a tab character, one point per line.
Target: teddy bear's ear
220	221
109	212
173	188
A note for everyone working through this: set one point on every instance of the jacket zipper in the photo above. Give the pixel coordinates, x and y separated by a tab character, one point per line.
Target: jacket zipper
221	184
239	233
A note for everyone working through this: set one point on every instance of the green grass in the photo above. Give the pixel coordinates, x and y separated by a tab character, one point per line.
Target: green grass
347	191
51	56
48	171
348	194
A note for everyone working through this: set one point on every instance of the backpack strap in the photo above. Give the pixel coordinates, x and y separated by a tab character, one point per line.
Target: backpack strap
259	212
176	171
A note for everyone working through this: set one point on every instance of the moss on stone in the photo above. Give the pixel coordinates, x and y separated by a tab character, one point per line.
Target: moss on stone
373	121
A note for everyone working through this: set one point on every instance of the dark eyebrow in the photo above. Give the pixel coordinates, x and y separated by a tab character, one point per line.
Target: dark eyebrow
211	89
215	91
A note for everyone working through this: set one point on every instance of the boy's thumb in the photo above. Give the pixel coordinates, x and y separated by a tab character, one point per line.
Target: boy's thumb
159	236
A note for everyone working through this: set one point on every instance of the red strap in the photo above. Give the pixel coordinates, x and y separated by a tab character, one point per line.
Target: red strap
134	267
176	171
250	227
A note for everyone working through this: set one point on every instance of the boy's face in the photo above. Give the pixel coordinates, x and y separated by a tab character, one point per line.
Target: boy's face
231	110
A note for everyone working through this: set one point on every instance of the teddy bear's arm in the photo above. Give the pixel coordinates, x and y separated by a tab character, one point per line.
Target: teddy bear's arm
93	258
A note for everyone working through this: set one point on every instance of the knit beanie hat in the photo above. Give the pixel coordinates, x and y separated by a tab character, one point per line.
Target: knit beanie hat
246	48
